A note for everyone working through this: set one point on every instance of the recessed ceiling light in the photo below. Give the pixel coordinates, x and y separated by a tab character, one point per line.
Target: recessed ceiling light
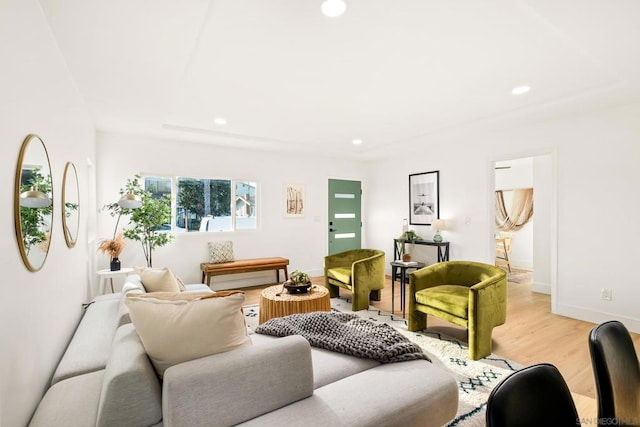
333	8
356	142
220	121
520	90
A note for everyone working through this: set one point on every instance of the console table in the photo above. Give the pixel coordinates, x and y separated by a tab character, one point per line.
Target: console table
443	248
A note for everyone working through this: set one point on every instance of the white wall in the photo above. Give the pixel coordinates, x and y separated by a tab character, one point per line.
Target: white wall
595	157
544	236
38	311
302	240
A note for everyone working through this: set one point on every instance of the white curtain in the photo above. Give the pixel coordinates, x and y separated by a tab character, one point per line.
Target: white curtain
521	210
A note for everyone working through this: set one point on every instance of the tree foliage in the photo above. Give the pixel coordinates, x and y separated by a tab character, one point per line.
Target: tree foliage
190	198
220	197
146	221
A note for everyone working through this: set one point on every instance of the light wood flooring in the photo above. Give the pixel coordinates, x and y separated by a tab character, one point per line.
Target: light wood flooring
532	334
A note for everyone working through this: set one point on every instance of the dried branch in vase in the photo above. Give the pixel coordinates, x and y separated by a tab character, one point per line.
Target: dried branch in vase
113	247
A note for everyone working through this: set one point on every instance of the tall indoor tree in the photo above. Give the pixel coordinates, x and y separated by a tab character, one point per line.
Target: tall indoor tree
147	222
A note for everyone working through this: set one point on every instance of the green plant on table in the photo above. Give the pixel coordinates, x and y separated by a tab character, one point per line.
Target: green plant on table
408	236
299	278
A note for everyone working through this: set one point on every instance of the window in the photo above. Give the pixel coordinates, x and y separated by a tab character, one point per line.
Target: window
245	205
158	187
206	205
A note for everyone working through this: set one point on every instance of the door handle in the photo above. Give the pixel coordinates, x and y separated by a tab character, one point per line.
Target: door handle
332	230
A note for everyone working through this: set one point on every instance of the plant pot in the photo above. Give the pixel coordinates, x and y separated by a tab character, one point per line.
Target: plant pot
297	288
115	264
406	257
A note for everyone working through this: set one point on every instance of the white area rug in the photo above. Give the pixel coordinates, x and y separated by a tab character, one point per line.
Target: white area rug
475	378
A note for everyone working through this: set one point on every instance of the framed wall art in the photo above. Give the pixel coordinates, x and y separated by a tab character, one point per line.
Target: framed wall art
424	197
293	200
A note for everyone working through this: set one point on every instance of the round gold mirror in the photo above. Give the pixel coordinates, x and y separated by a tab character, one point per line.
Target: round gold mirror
70	205
33	202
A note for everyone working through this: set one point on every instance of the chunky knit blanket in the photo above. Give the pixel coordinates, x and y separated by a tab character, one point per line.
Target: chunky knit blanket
348	334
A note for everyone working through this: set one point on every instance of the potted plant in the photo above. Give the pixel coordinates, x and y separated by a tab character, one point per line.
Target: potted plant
298	282
114	248
408	236
147	220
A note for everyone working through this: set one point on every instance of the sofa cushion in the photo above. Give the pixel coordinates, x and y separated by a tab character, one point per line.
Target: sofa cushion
232	387
342	274
131	391
72	402
221	251
163	280
328	366
197	287
412	393
176	327
89	348
452	299
133	283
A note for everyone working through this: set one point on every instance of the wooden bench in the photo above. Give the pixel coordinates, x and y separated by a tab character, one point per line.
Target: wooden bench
244	266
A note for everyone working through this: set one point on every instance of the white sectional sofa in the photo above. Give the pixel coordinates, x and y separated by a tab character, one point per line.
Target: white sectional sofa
105	378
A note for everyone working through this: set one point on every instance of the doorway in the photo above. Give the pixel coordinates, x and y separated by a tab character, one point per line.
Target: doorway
535	248
514	243
344	219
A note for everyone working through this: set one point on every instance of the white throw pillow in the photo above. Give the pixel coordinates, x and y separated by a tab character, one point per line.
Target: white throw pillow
159	280
177	327
133	283
221	251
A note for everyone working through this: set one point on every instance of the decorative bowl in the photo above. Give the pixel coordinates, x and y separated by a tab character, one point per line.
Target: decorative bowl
295	288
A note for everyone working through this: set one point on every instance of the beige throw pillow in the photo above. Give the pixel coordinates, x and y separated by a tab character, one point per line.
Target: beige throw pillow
177	327
159	280
221	251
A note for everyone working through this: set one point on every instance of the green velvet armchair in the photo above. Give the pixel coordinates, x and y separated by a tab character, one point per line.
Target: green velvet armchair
466	293
360	270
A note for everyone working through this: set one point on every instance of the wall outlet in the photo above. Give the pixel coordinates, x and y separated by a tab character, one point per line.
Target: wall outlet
607	294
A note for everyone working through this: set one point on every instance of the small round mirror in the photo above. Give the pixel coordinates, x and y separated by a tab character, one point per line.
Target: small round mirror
33	202
70	205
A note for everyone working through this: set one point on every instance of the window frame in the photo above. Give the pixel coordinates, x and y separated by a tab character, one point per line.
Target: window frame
233	184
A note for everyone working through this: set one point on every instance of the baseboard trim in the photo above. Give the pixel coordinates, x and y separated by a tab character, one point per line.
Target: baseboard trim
597	316
542	288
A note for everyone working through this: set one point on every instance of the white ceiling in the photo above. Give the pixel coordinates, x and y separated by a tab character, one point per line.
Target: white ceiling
387	71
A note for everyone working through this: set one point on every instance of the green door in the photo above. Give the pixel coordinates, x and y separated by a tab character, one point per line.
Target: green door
345	221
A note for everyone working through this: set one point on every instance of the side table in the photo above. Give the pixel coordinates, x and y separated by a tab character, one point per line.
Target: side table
274	302
403	266
108	274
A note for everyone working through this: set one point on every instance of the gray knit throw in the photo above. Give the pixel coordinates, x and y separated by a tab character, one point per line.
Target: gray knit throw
348	334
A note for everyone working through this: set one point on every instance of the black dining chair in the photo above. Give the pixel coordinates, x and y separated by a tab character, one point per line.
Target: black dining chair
617	374
533	396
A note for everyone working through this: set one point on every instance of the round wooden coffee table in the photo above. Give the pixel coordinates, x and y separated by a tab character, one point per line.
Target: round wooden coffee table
272	305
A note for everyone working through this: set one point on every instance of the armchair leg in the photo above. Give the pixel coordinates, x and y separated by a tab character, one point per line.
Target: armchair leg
334	291
479	341
375	295
417	321
360	299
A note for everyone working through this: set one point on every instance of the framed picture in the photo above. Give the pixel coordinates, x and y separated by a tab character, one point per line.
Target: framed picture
294	200
424	197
